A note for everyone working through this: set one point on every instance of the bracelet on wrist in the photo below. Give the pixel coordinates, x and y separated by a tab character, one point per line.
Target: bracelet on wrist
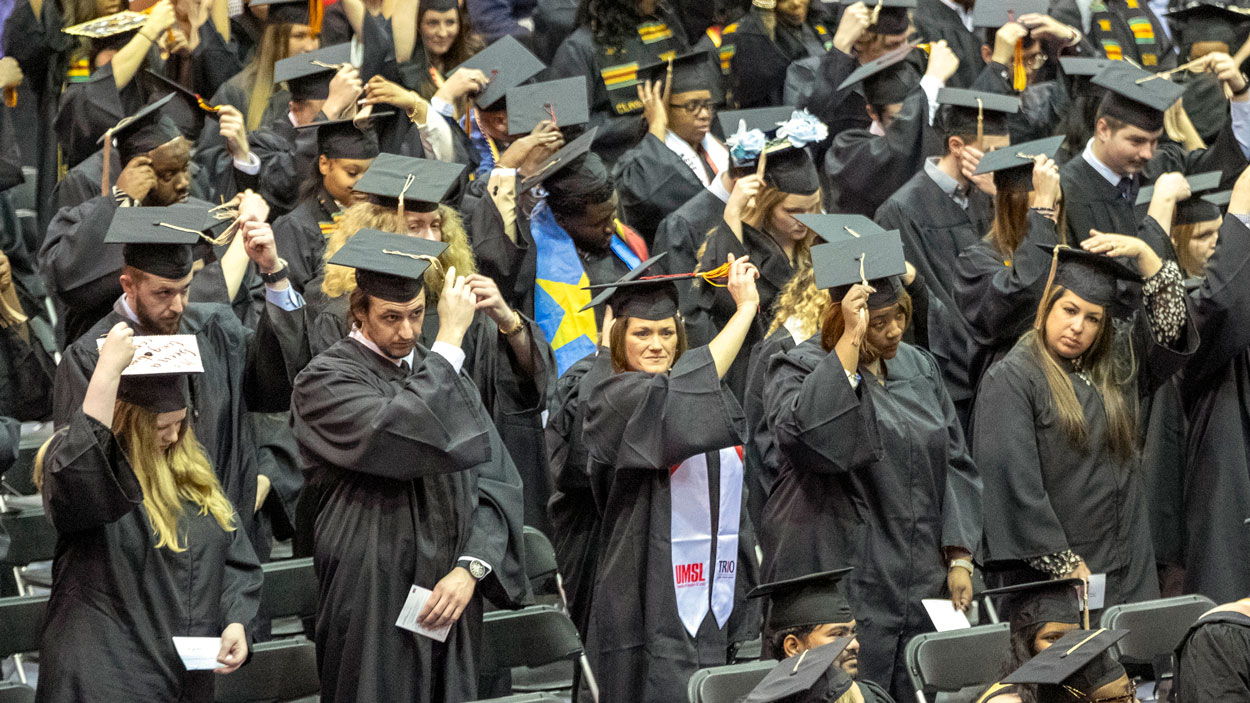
517	326
961	563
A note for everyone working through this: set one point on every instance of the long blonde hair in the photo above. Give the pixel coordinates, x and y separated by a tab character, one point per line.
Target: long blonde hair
340	280
760	217
168	478
801	303
274	46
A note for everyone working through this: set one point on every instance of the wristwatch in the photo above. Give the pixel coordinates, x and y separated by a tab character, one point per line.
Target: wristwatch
279	275
475	567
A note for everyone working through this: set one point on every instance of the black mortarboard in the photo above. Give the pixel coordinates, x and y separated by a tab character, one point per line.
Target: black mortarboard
158	240
108	25
975	112
1206	21
1033	603
1093	277
791	170
992	14
1194	208
305	77
1198	183
810	676
342	139
888	79
765	119
815	599
891	15
507	64
857	249
565	99
423	183
388	266
1080	71
437	6
691	71
1136	96
143	131
292	11
633	297
557	167
155	389
1220	199
1012	165
1078	660
187	111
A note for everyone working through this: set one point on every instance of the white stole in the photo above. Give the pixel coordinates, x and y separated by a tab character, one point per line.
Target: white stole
715	151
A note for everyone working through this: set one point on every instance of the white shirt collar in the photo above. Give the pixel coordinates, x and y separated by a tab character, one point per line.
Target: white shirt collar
359	336
965	16
1103	169
127	309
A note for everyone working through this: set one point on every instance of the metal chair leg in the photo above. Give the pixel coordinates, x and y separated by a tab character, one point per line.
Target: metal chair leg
588	677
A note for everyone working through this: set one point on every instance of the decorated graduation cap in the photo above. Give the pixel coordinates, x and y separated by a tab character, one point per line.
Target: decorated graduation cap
764	119
110	31
344	139
572	169
562	101
1012	165
1202	21
857	250
637	295
782	152
1078	662
309	12
888	16
975	112
992	14
1194	208
408	183
888	79
1093	277
1136	96
1038	602
815	599
308	75
389	266
157	384
807	677
158	240
507	64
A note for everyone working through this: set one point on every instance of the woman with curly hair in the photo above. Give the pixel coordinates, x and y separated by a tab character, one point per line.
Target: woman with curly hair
614	38
1040	613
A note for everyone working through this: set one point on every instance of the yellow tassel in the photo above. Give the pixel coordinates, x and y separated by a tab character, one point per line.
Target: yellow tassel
1019	78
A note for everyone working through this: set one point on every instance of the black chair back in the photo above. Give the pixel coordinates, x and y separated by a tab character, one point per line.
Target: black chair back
1155	626
282	670
532	636
950	661
23	618
727	684
290	589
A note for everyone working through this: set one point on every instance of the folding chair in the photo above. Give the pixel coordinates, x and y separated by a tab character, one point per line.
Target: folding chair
951	661
520	698
1155	626
32	539
726	684
16	693
23	618
282	670
532	637
540	565
289	591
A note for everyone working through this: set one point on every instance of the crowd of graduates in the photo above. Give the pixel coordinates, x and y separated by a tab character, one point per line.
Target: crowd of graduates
775	316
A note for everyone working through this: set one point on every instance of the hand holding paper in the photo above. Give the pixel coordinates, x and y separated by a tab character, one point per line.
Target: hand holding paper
233	650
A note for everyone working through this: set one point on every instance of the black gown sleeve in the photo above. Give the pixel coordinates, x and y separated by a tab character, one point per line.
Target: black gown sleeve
1214	660
826	102
87	479
510	264
240	595
994	296
1220	306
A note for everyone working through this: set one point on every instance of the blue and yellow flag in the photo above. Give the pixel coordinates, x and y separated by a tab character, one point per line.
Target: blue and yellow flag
559	294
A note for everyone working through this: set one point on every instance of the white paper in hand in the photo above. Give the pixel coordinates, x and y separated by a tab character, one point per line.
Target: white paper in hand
944	616
162	354
198	653
417	597
1097	591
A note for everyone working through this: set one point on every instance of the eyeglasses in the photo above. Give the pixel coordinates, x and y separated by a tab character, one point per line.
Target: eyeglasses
694	107
1129	696
1037	61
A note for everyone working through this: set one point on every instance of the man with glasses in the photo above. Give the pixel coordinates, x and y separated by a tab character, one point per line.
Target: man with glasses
678	157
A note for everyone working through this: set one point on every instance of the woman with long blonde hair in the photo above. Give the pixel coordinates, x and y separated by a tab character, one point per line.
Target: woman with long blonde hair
148	547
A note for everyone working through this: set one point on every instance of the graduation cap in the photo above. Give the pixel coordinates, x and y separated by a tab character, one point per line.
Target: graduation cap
1207	22
158	240
787	167
765	119
408	183
108	25
187	111
1136	96
141	132
857	250
992	14
344	139
508	64
973	111
1093	277
1037	602
807	677
1220	199
1078	662
388	266
574	168
635	295
308	75
1193	209
156	388
888	79
562	101
888	16
1012	165
815	599
689	72
309	12
1080	70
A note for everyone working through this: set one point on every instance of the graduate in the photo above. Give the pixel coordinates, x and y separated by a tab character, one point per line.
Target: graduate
1084	99
809	612
767	41
940	211
1059	449
900	138
1213	657
1040	613
1078	669
951	21
149	547
486	119
679	156
676	550
411	458
873	457
1201	28
812	676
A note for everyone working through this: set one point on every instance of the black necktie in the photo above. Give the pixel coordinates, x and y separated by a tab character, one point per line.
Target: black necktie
1128	189
405	367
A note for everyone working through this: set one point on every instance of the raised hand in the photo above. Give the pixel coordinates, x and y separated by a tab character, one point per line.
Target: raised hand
655	106
855	21
942	61
138	178
233	130
456	306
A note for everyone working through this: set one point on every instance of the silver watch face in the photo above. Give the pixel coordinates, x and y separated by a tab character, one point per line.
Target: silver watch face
477	569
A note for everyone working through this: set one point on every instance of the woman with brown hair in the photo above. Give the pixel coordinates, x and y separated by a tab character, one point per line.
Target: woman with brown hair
1058	444
148	546
873	457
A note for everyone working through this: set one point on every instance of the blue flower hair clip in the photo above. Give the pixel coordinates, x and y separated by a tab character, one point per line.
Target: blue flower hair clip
803	129
746	144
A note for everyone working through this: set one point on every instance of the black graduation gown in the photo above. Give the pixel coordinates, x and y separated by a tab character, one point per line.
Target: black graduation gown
935	229
839	109
243	370
882	474
117	598
10	441
761	455
935	21
682	232
411	456
637	429
652	181
1213	660
300	238
237	92
862	170
89	109
757	71
1213	389
82	182
1043	495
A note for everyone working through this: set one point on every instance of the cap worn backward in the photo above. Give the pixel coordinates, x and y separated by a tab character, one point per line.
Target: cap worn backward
388	266
422	183
807	677
563	101
506	64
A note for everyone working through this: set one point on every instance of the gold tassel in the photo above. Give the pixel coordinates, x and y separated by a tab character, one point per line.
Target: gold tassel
1039	322
407	183
980	121
1019	79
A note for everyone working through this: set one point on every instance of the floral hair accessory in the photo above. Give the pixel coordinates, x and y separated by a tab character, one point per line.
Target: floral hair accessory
745	145
803	129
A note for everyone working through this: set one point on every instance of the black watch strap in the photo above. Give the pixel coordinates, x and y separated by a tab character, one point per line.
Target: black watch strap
279	275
